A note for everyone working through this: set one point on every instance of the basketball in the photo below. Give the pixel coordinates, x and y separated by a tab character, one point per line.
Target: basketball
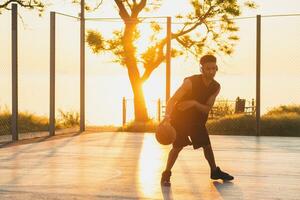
165	134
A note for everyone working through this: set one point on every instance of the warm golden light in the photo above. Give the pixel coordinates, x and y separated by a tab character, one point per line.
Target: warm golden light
150	165
143	42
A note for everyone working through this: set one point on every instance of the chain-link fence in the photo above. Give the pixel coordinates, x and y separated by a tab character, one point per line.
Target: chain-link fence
280	61
237	75
33	74
67	72
5	75
107	80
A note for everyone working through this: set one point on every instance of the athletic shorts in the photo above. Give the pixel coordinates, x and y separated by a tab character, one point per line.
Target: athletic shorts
190	134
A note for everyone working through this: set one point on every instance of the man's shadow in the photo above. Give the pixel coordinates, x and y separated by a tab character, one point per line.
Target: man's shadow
228	190
166	192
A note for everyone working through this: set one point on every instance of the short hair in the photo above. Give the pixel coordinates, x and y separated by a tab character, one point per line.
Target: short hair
207	58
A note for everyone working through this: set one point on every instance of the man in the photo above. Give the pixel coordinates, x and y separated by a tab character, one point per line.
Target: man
187	111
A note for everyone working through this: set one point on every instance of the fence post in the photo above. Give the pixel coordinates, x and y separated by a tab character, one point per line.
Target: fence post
258	67
52	75
253	107
82	67
14	40
158	109
168	60
124	111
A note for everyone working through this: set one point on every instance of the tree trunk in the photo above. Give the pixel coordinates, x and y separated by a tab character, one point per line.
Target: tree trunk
140	110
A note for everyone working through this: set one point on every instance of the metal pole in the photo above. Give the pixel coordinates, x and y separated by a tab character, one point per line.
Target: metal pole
82	68
52	75
258	67
168	60
252	107
14	37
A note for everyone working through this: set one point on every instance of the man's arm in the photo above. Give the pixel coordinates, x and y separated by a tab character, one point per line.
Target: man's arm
181	91
209	104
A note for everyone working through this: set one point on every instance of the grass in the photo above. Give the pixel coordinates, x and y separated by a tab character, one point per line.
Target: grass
149	126
282	121
279	121
236	124
28	122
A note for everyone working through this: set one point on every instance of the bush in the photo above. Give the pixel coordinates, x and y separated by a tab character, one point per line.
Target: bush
236	124
279	121
28	122
284	109
222	108
282	121
133	126
68	119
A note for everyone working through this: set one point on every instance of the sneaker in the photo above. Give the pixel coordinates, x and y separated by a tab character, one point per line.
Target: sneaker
165	178
218	174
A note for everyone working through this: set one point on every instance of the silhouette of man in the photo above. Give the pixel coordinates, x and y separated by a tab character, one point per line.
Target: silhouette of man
187	111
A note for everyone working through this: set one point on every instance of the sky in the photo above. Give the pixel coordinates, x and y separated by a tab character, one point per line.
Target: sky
107	82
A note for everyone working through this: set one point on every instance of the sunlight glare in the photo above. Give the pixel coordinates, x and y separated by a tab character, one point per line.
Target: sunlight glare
150	165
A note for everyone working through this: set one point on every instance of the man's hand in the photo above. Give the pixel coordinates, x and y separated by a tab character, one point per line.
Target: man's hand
186	105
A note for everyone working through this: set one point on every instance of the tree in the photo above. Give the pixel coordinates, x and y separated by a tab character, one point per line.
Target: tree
213	16
214	36
30	4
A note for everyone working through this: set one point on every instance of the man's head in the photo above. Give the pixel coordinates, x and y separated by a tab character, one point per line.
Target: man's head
208	66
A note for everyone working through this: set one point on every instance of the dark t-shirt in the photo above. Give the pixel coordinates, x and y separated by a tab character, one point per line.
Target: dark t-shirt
201	93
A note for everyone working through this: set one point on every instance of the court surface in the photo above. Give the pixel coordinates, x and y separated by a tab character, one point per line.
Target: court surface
128	166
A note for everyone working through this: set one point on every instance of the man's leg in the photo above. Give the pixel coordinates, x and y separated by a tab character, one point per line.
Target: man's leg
172	157
215	172
209	156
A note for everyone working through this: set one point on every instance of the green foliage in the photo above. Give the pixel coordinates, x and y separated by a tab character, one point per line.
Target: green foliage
219	36
68	119
29	122
37	5
5	121
238	124
149	126
147	56
281	124
222	108
95	40
251	4
284	109
99	44
280	121
155	27
152	5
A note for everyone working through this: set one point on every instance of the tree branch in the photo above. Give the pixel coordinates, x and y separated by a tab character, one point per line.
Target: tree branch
138	8
6	3
122	10
151	66
129	5
98	5
200	21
